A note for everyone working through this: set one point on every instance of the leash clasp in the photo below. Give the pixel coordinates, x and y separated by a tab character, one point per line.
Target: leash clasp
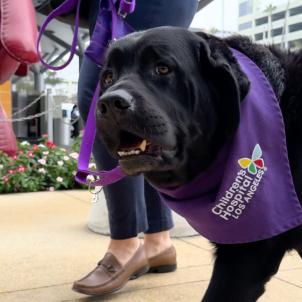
119	13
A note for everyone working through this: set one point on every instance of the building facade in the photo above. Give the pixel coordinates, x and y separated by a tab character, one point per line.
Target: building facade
256	23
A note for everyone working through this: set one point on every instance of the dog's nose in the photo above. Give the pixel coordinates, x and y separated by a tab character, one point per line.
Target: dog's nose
118	101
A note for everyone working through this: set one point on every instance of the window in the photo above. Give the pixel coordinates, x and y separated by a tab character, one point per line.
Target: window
245	8
277	32
295	11
259	36
278	16
245	25
295	27
261	21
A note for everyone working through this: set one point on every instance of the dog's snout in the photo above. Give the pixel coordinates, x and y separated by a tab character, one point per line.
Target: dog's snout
115	101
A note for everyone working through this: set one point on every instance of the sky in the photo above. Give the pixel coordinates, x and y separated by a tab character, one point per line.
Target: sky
211	15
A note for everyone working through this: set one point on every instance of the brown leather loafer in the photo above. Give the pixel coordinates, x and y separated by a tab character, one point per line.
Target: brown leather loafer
110	275
164	262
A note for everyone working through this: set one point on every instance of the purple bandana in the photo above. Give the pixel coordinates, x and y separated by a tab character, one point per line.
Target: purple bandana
247	194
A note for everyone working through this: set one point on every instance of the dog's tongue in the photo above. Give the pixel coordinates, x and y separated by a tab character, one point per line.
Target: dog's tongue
132	145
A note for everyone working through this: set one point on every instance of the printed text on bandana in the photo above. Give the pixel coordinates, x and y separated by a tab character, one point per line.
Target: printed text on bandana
239	195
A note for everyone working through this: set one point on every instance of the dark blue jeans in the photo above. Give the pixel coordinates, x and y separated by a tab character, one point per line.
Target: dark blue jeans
133	205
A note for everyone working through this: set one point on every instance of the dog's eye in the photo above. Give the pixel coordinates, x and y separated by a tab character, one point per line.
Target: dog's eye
108	78
162	69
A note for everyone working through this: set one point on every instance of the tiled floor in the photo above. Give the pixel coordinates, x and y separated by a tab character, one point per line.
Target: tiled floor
45	245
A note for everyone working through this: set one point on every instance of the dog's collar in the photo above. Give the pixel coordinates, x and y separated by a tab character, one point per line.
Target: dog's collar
247	194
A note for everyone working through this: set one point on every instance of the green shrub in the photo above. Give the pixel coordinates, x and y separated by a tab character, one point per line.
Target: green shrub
41	167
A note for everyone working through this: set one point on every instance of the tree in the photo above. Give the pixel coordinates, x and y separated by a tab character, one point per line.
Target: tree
269	10
284	26
51	78
26	84
214	31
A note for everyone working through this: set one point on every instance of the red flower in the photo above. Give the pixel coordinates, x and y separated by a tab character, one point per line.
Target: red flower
16	186
35	147
21	152
10	171
5	179
21	169
35	166
30	154
50	144
15	157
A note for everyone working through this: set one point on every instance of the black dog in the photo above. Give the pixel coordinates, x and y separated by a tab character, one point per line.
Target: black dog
181	92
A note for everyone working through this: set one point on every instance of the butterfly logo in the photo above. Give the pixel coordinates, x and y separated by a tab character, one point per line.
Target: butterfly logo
252	164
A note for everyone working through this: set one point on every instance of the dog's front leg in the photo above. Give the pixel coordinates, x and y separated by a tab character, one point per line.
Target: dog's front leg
241	271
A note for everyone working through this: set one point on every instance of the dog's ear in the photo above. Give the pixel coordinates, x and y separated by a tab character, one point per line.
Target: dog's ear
219	71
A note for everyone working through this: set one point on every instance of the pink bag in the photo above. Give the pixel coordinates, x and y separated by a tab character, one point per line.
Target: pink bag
18	38
8	143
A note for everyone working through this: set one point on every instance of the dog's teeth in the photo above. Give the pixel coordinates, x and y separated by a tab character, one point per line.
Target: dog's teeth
131	152
143	145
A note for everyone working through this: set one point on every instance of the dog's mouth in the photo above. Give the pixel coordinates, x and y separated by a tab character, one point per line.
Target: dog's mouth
131	145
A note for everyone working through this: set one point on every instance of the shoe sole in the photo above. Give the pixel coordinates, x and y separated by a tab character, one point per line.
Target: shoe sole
142	271
163	269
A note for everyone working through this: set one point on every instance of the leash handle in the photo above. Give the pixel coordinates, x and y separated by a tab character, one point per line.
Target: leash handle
63	8
126	6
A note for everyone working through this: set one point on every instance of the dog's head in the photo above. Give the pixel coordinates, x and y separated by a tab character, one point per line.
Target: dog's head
167	104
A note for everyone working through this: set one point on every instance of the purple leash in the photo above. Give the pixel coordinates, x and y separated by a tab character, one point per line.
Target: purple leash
106	177
63	8
95	52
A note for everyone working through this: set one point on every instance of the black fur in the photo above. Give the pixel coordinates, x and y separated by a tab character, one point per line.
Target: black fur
183	115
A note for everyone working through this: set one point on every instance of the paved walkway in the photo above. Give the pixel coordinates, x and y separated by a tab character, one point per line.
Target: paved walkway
45	245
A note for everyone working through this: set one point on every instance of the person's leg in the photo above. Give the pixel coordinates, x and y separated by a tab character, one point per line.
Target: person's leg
125	198
147	14
157	237
150	14
76	129
155	13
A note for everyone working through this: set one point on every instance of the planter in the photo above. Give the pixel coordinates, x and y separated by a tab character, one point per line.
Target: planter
98	221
